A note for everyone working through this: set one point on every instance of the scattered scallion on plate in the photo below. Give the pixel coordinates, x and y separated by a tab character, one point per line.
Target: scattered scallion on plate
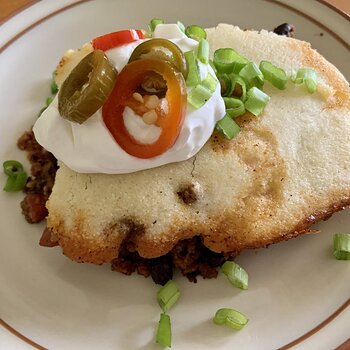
235	274
231	318
168	295
54	87
163	336
17	177
341	246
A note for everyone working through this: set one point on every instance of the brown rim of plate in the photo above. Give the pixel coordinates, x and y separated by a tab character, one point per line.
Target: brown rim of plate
346	344
17	11
21	336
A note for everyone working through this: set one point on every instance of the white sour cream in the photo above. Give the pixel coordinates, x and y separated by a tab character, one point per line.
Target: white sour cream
90	148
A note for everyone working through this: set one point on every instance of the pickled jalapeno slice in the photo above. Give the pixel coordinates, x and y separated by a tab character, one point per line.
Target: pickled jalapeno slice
87	87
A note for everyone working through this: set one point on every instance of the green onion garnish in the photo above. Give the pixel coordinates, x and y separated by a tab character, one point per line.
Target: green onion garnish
228	127
48	101
226	84
193	76
275	75
17	177
231	318
229	61
252	75
163	336
341	246
307	76
210	82
54	87
237	80
198	96
203	51
181	26
235	274
196	32
168	295
41	111
153	24
256	101
12	167
234	106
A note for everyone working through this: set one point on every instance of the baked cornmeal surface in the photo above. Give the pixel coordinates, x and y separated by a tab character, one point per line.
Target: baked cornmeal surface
285	170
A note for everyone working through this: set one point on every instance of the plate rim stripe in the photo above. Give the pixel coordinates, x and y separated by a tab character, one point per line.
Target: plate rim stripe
277	2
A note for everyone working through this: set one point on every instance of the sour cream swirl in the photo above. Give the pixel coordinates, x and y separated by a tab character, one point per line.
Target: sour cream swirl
90	148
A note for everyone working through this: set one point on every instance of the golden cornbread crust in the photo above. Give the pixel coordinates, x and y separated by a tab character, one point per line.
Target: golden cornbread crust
285	171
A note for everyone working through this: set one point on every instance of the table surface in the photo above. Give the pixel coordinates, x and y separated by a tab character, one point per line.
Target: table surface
10	7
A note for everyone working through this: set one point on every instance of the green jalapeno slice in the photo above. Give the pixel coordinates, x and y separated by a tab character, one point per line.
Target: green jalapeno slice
87	87
161	49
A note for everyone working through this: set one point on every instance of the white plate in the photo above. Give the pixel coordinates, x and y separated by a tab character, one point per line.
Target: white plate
294	286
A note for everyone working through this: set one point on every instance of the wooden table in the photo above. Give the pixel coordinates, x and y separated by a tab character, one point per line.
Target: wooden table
9	7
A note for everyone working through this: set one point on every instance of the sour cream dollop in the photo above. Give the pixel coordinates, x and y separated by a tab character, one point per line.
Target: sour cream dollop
90	148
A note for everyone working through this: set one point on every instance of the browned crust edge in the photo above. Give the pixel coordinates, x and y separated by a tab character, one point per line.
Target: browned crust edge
107	249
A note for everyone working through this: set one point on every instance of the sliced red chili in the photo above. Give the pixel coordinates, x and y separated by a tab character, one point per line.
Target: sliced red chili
115	39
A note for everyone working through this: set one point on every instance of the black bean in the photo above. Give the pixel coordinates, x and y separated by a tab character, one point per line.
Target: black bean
161	269
285	29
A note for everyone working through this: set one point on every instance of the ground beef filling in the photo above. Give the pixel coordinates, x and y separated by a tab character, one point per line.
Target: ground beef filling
190	256
39	185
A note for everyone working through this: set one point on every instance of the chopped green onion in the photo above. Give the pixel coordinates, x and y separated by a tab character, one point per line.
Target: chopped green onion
307	76
198	96
231	318
168	295
16	183
181	26
54	87
228	127
41	111
341	246
229	61
193	76
234	106
275	75
212	65
17	177
256	101
226	84
231	102
235	274
237	80
12	167
196	32
210	82
153	24
203	51
48	101
252	75
163	336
